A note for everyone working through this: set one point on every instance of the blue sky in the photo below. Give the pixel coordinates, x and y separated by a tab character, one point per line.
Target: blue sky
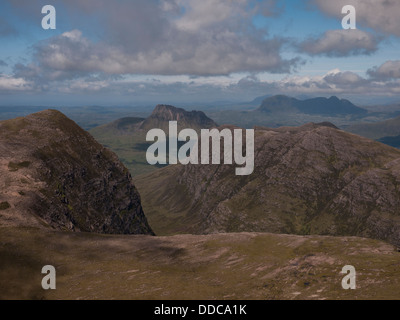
188	51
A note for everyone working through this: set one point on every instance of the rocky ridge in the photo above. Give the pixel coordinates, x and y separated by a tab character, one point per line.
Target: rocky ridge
313	179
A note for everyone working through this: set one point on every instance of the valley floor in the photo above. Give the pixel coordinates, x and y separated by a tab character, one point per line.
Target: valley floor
220	266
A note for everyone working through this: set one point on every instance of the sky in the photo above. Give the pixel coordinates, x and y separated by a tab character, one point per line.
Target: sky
122	53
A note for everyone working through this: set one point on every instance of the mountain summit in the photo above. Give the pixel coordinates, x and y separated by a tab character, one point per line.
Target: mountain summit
53	173
162	114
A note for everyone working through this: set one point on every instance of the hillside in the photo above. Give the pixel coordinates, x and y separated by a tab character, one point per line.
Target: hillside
54	174
316	106
313	179
185	267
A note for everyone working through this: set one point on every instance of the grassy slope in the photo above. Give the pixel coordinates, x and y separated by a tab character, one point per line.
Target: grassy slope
223	266
167	209
130	148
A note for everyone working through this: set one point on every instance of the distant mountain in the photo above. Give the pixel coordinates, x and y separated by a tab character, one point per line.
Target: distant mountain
127	136
159	118
54	174
377	130
313	179
316	106
162	114
279	104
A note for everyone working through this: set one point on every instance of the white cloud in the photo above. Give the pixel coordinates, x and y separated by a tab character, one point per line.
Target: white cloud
334	82
388	70
89	86
344	78
9	83
219	54
341	43
74	35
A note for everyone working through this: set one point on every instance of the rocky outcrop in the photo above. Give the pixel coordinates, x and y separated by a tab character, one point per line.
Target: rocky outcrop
55	173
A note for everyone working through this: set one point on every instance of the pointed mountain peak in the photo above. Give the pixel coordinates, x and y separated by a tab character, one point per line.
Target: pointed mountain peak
168	112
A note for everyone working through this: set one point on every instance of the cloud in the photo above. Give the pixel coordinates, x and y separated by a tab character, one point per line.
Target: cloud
388	70
341	43
171	89
3	63
83	85
342	79
173	37
71	53
13	84
334	82
208	43
380	15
